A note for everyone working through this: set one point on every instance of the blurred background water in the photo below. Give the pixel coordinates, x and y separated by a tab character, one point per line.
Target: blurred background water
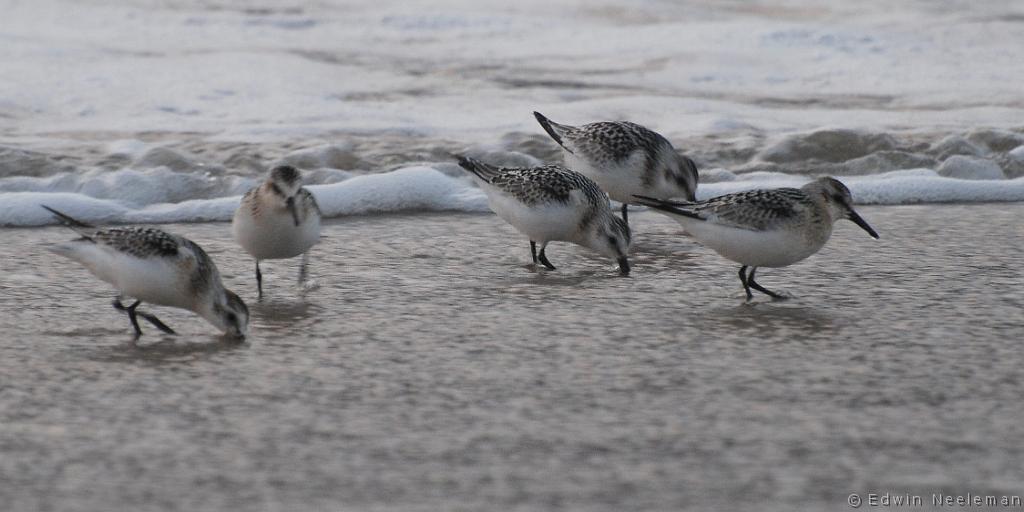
134	111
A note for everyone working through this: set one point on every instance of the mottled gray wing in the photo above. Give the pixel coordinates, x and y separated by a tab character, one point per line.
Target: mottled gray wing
155	243
204	271
755	209
615	141
138	242
308	202
549	183
686	176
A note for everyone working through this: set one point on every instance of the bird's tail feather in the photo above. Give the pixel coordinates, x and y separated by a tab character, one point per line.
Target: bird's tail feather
481	170
74	224
670	207
555	130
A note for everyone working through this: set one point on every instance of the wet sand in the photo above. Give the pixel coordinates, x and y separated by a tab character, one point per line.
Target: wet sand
433	369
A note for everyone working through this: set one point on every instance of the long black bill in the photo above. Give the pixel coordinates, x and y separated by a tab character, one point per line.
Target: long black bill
290	204
863	225
624	266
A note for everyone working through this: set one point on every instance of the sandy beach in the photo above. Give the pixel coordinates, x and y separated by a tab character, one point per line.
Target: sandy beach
434	369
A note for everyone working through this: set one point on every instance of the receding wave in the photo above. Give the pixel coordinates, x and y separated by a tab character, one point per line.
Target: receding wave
141	183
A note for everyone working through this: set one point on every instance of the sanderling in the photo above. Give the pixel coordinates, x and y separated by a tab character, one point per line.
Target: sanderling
625	159
151	265
552	203
766	228
278	219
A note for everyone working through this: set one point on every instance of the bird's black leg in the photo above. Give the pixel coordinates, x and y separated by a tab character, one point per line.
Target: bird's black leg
544	259
259	281
743	279
131	314
625	216
151	318
754	285
533	251
302	267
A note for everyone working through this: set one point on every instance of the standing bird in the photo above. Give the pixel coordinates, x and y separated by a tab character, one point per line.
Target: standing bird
625	159
276	220
151	265
766	228
552	203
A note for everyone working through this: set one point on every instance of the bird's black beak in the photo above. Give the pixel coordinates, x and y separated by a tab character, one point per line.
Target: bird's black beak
624	266
863	225
290	204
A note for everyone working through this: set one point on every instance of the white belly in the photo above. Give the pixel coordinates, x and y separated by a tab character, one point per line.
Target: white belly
157	280
274	235
777	248
620	181
554	222
625	179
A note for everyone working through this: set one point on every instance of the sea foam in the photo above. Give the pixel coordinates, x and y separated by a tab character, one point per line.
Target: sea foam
405	189
126	197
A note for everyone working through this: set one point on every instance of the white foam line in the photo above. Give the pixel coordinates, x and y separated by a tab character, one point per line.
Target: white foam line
425	188
411	188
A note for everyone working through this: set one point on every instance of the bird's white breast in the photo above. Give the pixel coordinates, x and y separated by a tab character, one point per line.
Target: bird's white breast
773	248
273	233
541	223
620	180
158	280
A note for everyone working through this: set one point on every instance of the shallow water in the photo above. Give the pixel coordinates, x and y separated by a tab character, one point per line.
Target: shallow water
131	112
433	369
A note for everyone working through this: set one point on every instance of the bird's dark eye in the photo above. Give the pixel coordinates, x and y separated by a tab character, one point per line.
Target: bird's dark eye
612	240
233	318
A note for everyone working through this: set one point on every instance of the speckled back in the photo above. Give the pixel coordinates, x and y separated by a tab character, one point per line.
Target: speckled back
756	209
548	183
139	242
614	141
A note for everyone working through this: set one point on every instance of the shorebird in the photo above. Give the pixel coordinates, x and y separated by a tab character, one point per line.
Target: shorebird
278	219
625	159
151	265
765	228
551	203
